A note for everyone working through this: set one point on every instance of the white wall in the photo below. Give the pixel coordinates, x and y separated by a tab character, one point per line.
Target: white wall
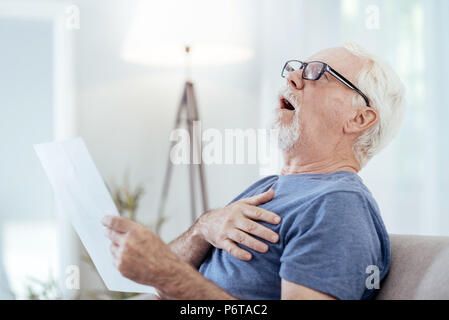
126	112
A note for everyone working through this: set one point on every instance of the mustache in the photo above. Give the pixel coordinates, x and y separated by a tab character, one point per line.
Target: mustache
287	94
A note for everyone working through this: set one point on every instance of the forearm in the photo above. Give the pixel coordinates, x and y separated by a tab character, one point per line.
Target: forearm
183	282
191	247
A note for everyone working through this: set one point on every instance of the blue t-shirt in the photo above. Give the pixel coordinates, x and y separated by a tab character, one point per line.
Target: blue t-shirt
331	232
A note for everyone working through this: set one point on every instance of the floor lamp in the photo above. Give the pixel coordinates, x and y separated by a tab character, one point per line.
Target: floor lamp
157	36
187	114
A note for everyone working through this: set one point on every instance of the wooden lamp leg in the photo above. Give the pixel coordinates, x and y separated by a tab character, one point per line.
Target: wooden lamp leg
188	105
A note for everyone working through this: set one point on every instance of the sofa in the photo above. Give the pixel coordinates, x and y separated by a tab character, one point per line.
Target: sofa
419	269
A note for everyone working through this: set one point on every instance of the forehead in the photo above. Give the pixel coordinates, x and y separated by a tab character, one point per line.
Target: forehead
342	60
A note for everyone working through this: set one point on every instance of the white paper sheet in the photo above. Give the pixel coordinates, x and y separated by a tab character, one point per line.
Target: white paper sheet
83	197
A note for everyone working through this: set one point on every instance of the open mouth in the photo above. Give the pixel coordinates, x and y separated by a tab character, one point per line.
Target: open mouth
285	104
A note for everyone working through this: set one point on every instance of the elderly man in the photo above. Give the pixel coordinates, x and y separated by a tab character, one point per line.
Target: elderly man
314	231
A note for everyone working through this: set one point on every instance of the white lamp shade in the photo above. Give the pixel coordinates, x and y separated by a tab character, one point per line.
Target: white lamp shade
161	29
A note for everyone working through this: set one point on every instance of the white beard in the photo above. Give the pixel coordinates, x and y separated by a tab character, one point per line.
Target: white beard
289	134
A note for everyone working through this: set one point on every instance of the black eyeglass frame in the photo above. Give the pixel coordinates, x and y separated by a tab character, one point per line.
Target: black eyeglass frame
329	69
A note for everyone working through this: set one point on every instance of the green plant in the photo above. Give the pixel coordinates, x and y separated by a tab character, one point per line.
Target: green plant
43	289
126	199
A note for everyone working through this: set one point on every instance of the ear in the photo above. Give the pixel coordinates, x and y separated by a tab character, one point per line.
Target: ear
363	120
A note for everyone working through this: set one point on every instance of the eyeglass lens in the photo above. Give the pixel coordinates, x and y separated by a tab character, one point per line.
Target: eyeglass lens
313	71
291	66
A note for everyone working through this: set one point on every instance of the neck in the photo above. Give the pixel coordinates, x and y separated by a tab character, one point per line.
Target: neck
297	164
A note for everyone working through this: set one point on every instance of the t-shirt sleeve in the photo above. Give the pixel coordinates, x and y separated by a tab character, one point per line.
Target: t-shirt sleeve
332	253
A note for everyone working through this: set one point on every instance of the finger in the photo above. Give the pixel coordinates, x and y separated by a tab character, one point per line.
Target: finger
248	241
116	223
115	237
234	250
257	229
114	250
261	214
260	198
161	296
158	295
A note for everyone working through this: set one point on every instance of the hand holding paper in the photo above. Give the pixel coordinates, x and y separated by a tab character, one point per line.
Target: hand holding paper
83	197
139	254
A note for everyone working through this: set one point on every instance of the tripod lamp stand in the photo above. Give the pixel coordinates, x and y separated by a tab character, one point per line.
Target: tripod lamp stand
158	36
187	113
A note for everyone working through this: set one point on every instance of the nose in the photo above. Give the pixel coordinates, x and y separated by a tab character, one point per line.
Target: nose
294	80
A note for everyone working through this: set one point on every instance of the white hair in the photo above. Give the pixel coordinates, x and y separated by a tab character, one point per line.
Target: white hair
385	91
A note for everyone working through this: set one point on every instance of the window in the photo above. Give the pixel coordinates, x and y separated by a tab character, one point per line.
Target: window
27	224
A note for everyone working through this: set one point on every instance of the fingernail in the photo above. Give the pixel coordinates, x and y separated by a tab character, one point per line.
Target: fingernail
275	238
277	219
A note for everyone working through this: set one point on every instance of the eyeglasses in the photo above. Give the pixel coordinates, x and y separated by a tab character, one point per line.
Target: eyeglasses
314	71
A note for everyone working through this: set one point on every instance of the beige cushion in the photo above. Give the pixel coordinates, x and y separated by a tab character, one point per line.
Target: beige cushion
419	269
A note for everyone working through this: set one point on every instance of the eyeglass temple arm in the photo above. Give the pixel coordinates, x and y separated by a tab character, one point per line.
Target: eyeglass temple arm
348	83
